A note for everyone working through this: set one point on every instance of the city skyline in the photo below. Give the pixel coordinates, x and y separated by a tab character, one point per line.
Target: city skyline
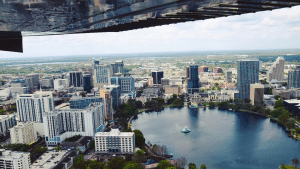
276	29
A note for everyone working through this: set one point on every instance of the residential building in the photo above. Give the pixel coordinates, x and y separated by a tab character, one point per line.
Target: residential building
14	160
257	94
157	75
102	74
276	70
65	122
60	84
126	85
294	78
87	82
228	76
247	73
115	142
203	69
23	133
30	107
193	82
117	68
79	102
174	89
218	70
115	93
7	122
76	78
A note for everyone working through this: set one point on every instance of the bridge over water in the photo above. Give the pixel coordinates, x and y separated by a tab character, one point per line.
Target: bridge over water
19	18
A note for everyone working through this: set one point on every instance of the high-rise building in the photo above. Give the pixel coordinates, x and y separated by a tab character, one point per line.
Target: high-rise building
117	68
193	83
63	123
60	84
14	159
294	78
79	102
102	74
87	83
276	70
126	85
36	80
247	73
114	142
46	82
218	70
76	78
7	122
31	107
157	75
23	133
203	69
228	76
257	93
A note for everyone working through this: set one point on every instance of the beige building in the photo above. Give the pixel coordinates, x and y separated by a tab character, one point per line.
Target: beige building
23	133
276	70
256	93
173	90
14	159
282	93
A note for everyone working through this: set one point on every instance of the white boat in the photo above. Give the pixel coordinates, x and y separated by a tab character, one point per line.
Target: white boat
185	130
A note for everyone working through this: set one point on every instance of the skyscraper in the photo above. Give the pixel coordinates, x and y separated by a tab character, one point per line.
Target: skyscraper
31	107
102	74
157	75
247	73
294	78
193	83
276	70
256	94
126	84
76	78
117	67
87	83
228	77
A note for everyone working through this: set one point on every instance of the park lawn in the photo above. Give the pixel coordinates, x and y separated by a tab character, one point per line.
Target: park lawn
290	167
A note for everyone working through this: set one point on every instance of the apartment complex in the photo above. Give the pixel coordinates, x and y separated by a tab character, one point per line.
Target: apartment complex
114	142
31	107
23	133
14	160
7	122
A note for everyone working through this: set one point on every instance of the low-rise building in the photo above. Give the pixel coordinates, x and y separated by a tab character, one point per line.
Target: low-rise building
173	90
282	93
82	144
14	160
115	142
23	133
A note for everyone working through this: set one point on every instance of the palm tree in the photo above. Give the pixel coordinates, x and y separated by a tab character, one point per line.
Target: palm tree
295	162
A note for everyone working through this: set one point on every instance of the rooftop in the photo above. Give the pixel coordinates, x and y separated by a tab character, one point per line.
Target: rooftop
49	159
114	132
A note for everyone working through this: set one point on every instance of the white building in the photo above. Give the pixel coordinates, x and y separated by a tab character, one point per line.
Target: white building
114	142
63	123
276	70
23	133
14	160
31	107
60	84
7	122
102	74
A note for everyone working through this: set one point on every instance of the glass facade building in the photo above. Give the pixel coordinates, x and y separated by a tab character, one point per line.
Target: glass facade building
87	83
294	78
82	103
75	79
126	85
193	83
157	75
247	73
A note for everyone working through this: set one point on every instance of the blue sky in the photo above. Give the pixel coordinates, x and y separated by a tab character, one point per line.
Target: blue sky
277	29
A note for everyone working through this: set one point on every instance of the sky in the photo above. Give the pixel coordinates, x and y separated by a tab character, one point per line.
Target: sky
277	29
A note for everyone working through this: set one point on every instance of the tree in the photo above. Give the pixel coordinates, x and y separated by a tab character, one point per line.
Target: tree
284	118
92	145
295	162
163	164
282	166
133	165
139	156
96	165
192	166
276	97
139	138
116	163
203	166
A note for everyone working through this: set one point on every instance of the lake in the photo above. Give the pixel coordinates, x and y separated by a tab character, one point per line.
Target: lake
219	139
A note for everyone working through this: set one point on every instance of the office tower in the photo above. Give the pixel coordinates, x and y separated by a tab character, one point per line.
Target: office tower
203	69
193	83
276	70
35	80
294	78
108	106
165	81
29	83
14	159
18	86
31	107
23	133
114	141
117	67
87	83
75	79
257	93
7	122
126	85
157	75
60	84
228	76
63	123
102	74
79	102
247	73
218	70
46	82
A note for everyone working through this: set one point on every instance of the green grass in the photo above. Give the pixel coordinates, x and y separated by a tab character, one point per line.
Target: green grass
290	167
